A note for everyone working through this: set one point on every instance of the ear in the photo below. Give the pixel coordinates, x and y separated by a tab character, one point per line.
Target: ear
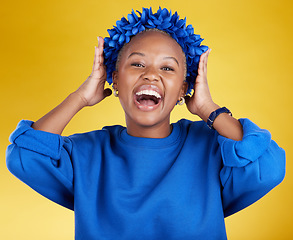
184	89
115	79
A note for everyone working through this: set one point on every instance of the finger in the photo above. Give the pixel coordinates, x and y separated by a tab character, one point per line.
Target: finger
206	59
99	72
99	57
101	49
204	56
99	69
96	59
101	43
201	64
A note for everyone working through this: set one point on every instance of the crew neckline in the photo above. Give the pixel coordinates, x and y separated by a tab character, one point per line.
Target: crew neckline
142	142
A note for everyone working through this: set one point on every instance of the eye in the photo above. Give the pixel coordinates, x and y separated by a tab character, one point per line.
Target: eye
167	69
139	65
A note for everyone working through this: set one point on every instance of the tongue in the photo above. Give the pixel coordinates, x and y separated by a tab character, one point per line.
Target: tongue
148	102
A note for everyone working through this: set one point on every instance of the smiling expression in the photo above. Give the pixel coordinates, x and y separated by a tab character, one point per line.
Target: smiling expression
150	80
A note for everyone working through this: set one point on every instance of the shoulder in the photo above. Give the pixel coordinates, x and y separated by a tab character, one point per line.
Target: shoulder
197	133
199	128
95	137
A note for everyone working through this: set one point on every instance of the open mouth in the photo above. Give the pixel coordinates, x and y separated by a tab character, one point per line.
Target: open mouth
148	97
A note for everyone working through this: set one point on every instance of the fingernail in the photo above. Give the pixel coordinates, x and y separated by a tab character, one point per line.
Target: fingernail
98	40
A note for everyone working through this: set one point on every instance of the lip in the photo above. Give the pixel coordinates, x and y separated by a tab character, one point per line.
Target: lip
147	87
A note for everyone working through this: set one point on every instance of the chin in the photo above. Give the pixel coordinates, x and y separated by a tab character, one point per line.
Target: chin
148	119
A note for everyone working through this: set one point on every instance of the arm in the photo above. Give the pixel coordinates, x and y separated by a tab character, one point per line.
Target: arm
43	159
253	163
201	104
251	167
89	93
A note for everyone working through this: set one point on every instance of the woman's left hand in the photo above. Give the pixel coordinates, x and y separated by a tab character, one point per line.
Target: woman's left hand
201	102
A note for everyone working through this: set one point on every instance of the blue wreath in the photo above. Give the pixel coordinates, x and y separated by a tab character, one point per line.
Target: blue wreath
163	20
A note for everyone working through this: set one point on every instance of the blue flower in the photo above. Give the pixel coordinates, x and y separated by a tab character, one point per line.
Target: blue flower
163	20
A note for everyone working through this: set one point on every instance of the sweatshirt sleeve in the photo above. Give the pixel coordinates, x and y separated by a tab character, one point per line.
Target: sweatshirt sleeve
42	161
251	167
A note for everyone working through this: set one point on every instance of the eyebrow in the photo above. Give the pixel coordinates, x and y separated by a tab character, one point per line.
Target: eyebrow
136	53
142	54
173	59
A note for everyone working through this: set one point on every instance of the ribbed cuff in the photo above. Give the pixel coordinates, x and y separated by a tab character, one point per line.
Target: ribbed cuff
45	143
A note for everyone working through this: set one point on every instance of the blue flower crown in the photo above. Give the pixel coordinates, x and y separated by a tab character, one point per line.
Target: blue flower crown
162	20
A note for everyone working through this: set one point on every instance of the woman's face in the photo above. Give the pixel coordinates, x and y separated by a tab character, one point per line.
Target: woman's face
150	79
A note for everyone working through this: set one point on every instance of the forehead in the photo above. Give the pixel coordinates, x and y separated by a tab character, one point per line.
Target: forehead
156	43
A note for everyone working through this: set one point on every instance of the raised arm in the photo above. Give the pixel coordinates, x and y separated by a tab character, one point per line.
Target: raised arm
253	164
201	104
89	93
43	159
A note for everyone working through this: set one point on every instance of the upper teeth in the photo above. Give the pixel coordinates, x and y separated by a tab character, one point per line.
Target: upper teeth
149	92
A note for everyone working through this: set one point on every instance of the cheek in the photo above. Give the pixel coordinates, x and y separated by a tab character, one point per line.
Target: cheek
173	94
127	74
125	89
175	85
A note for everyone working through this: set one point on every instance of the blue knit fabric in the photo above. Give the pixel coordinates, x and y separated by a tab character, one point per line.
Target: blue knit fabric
124	187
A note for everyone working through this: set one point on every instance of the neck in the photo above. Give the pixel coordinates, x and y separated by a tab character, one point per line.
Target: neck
160	130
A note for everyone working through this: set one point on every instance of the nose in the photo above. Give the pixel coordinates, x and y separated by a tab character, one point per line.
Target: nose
151	74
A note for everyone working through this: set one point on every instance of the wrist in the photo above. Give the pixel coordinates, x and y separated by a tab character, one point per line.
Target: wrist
207	109
214	115
77	100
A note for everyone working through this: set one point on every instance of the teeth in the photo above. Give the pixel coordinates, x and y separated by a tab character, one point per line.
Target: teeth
149	92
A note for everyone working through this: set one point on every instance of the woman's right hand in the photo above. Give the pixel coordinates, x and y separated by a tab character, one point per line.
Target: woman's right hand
92	90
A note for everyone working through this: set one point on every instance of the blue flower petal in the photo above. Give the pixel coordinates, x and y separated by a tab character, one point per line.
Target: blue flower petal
121	39
159	10
111	32
174	18
116	37
181	33
134	31
150	11
198	51
197	58
118	29
180	23
204	48
150	23
164	13
141	28
165	25
191	51
112	43
107	54
107	40
164	20
134	15
130	18
128	27
157	22
189	29
128	33
195	37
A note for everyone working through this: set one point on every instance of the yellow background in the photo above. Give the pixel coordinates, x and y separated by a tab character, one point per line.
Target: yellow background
47	50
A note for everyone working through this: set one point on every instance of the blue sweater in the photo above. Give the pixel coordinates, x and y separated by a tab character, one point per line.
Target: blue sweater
124	187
